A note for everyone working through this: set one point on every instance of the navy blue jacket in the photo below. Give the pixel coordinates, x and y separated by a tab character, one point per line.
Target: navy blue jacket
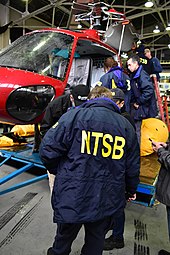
94	152
54	111
115	77
157	67
144	95
146	63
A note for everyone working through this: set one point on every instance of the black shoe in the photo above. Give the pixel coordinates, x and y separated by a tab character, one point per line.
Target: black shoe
110	243
50	251
163	252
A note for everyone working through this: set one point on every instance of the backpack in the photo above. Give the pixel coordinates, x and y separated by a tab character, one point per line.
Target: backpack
119	81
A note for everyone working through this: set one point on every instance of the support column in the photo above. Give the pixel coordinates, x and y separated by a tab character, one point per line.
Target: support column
4	19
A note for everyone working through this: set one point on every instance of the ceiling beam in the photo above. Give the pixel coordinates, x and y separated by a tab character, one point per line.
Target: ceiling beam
156	39
147	13
12	8
165	4
43	9
162	48
133	7
150	35
159	13
59	5
42	20
35	17
63	9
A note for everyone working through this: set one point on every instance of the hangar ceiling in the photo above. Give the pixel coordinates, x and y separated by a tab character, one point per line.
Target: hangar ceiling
60	13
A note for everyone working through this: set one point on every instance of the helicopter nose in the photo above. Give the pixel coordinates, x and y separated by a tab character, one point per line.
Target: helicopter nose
27	103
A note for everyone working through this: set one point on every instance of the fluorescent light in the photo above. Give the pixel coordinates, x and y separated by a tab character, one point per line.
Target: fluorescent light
168	27
149	4
169	46
156	30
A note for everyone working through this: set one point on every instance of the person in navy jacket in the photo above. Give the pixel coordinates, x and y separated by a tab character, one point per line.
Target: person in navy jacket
115	77
157	68
94	153
143	101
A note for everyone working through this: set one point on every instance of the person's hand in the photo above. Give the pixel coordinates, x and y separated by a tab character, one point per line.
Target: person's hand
132	197
136	106
157	145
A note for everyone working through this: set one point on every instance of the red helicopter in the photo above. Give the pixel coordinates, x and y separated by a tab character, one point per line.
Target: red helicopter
43	64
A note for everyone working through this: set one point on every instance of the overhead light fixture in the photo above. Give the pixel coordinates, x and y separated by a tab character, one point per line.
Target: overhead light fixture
149	4
124	55
139	42
168	27
169	46
79	26
156	30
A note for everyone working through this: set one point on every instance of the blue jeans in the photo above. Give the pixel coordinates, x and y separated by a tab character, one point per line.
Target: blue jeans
168	218
119	224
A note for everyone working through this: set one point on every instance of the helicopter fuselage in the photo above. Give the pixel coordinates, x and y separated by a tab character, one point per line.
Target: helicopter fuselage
42	65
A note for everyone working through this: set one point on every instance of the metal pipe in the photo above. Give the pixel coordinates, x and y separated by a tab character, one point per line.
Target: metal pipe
121	39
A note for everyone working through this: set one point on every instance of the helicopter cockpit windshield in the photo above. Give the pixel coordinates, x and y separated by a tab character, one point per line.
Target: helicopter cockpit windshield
41	52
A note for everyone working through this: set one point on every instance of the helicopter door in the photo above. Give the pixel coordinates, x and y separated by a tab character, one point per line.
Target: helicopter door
80	71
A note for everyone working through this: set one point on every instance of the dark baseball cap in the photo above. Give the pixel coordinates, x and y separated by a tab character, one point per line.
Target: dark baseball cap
80	93
118	94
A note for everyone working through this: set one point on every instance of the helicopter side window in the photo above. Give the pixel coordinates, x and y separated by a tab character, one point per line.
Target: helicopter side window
89	66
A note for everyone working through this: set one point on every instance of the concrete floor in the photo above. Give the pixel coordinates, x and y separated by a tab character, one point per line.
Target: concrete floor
26	226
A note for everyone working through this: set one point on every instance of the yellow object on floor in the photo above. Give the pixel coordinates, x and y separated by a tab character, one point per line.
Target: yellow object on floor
23	130
6	142
20	131
149	168
155	130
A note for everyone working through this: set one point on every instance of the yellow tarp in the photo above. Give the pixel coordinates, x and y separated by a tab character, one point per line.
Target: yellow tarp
20	130
6	142
23	130
149	168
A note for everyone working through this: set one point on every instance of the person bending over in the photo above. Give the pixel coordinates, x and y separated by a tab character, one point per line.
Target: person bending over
94	154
